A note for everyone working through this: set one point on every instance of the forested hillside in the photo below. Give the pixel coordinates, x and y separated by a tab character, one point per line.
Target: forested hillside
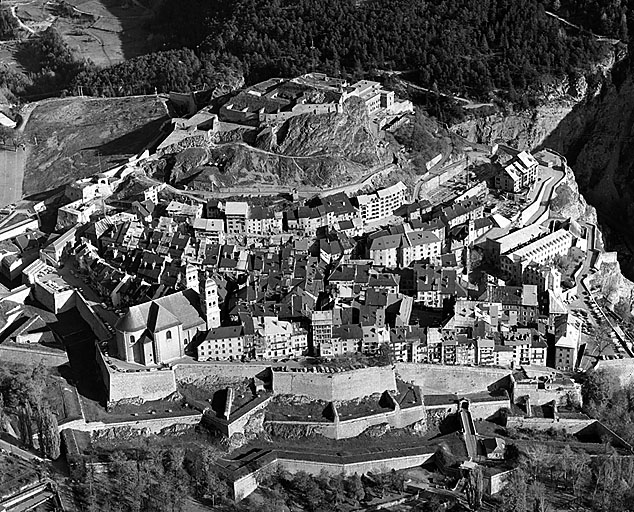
471	46
604	17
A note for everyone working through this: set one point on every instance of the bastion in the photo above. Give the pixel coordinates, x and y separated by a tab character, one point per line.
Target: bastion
337	386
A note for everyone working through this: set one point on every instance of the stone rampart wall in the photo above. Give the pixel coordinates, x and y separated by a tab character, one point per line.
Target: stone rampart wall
144	384
153	385
31	356
622	368
245	485
308	108
569	425
19	452
236	426
153	425
483	410
335	386
543	396
437	379
497	482
374	466
235	372
354	427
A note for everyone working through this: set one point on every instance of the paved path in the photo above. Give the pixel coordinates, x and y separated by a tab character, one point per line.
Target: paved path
470	434
19	21
12	165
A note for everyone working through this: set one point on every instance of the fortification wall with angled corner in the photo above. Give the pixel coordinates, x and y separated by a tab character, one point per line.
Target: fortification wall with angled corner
331	387
439	379
146	384
344	429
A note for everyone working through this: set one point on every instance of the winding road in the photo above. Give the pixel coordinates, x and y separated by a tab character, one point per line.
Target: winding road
468	104
601	39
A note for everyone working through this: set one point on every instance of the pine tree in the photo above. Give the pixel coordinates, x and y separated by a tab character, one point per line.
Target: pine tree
49	433
25	419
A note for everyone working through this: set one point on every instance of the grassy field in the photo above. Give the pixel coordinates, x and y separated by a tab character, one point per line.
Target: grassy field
103	31
76	137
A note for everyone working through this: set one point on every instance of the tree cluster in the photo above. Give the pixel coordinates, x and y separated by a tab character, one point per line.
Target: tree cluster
173	70
9	28
601	483
314	493
605	399
609	18
22	395
151	479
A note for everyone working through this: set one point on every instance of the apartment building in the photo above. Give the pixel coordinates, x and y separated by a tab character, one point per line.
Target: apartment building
538	251
382	203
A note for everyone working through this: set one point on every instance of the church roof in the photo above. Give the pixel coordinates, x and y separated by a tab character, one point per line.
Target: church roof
134	320
170	310
160	318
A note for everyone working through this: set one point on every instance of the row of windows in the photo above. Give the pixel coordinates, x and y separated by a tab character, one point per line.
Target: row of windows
168	336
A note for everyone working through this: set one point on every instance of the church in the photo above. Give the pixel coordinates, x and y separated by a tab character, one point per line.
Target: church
160	330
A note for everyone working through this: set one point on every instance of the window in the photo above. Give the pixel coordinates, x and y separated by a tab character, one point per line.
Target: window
131	339
168	335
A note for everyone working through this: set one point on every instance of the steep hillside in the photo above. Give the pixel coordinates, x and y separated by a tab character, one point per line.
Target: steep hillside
594	132
76	137
328	150
348	134
555	117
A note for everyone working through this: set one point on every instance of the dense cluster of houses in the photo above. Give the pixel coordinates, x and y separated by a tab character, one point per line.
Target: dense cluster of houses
327	276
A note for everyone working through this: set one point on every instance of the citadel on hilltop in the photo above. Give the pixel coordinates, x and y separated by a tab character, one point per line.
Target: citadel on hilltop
279	99
272	102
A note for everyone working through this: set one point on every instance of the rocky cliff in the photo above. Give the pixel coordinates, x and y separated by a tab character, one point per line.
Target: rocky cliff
591	122
566	104
569	202
326	150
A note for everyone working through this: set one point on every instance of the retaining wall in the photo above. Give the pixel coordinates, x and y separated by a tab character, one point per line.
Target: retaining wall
496	482
571	426
19	452
31	356
245	485
335	386
441	379
543	396
362	467
484	410
344	429
154	425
